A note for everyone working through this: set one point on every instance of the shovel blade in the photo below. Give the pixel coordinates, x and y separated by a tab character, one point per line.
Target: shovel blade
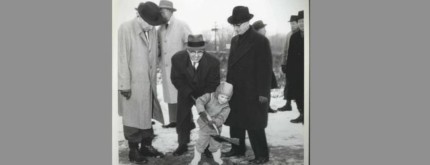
219	138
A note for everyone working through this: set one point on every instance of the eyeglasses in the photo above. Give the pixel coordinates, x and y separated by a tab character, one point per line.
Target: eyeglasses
196	52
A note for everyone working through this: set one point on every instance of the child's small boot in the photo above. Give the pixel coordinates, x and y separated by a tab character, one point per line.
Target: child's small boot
217	157
197	157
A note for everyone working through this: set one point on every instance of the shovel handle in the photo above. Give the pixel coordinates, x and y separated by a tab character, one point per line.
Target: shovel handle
209	117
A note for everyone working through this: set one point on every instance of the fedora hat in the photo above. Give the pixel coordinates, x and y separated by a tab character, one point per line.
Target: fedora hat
293	18
165	4
257	25
240	15
300	16
195	42
150	12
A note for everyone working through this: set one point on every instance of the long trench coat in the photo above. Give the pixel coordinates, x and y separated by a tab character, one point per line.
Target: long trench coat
171	39
295	67
250	72
190	82
137	60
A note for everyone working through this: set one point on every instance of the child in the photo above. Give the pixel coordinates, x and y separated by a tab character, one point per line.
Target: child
216	106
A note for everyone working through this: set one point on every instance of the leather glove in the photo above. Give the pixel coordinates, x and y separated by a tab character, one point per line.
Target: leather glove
284	68
126	93
212	123
204	117
263	99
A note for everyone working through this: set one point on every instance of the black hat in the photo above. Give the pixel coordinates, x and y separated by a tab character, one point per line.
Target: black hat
195	42
240	15
150	12
257	25
300	16
293	18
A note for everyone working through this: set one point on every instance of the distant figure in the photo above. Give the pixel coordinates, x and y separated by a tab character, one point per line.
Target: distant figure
261	28
137	85
216	106
249	71
294	28
172	38
194	73
295	69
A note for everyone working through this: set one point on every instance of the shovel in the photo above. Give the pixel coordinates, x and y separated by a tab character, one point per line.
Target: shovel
218	137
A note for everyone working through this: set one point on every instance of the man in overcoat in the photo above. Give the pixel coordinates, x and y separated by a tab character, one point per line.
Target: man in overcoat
250	71
260	27
194	73
137	98
294	29
295	69
172	38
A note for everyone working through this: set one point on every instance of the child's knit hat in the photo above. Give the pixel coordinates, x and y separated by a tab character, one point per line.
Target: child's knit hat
225	88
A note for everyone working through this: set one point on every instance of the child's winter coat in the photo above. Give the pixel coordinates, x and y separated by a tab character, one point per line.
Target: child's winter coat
218	112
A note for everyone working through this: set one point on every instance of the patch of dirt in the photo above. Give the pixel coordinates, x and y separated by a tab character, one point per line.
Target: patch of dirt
279	155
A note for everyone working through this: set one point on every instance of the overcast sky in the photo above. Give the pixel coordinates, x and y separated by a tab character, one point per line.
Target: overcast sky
201	15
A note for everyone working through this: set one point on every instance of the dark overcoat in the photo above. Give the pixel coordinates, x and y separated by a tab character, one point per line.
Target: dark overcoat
190	82
295	67
250	72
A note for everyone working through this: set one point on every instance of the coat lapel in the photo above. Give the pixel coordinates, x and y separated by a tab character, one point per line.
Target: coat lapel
189	67
202	68
241	49
168	30
142	36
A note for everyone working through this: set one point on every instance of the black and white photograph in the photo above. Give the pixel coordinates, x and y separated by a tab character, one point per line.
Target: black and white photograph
214	82
205	82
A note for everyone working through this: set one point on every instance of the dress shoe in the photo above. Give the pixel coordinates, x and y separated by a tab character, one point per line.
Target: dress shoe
252	161
286	107
271	110
298	119
171	125
135	157
260	160
180	150
233	153
151	151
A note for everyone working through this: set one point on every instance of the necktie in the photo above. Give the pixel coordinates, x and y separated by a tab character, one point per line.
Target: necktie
167	25
195	65
146	35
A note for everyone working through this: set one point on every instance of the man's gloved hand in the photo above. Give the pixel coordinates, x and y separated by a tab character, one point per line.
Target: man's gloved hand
126	93
284	68
263	99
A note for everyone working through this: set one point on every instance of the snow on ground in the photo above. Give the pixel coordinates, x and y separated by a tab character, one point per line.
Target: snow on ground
284	138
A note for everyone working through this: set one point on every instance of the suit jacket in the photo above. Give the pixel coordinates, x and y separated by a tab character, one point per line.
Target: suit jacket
250	72
193	83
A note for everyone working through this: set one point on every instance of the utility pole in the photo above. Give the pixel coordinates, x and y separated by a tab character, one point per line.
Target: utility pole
215	29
